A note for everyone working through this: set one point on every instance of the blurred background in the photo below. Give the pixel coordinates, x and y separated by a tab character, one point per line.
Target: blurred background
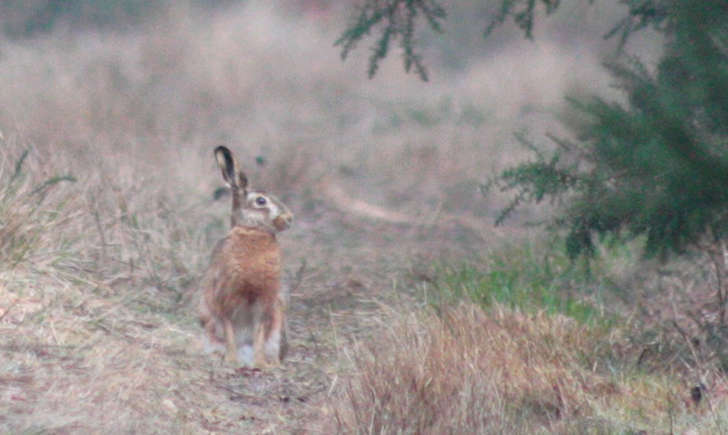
149	87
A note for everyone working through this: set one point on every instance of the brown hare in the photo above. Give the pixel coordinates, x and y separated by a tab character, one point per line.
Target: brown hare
242	308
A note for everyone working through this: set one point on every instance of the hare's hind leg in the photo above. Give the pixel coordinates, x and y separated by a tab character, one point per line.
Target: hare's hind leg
267	334
275	340
258	341
231	354
258	335
212	343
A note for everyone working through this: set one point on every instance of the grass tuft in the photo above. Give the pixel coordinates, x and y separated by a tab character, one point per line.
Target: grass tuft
34	211
468	371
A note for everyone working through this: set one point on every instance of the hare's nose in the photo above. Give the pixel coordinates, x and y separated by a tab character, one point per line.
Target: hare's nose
283	221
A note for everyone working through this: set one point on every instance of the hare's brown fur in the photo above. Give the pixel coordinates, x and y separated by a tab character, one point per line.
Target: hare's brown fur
246	269
242	286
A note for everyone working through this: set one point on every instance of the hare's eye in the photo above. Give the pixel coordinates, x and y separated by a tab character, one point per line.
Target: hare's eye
260	200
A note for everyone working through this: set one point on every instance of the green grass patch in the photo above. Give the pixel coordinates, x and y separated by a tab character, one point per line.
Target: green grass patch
528	277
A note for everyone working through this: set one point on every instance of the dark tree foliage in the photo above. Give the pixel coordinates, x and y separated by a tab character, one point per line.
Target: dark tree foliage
396	19
399	19
522	13
657	166
642	14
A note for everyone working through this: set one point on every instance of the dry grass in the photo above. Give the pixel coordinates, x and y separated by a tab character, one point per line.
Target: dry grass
96	316
30	209
504	372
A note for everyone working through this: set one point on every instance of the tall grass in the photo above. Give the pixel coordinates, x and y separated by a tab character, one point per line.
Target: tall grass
93	272
37	212
60	216
468	371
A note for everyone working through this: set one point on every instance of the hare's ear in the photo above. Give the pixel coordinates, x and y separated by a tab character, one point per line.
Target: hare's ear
226	163
242	180
229	167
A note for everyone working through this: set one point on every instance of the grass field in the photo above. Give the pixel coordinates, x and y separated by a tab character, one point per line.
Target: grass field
410	311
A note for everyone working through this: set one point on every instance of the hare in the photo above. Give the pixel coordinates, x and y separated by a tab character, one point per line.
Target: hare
242	308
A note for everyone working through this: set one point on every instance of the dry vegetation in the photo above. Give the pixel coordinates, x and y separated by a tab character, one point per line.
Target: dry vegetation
107	218
467	371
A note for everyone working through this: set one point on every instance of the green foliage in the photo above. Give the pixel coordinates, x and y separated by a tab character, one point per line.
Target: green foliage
400	18
522	12
397	19
534	180
657	166
642	14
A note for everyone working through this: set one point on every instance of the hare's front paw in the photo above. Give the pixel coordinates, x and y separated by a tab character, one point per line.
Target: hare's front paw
267	365
232	359
245	355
